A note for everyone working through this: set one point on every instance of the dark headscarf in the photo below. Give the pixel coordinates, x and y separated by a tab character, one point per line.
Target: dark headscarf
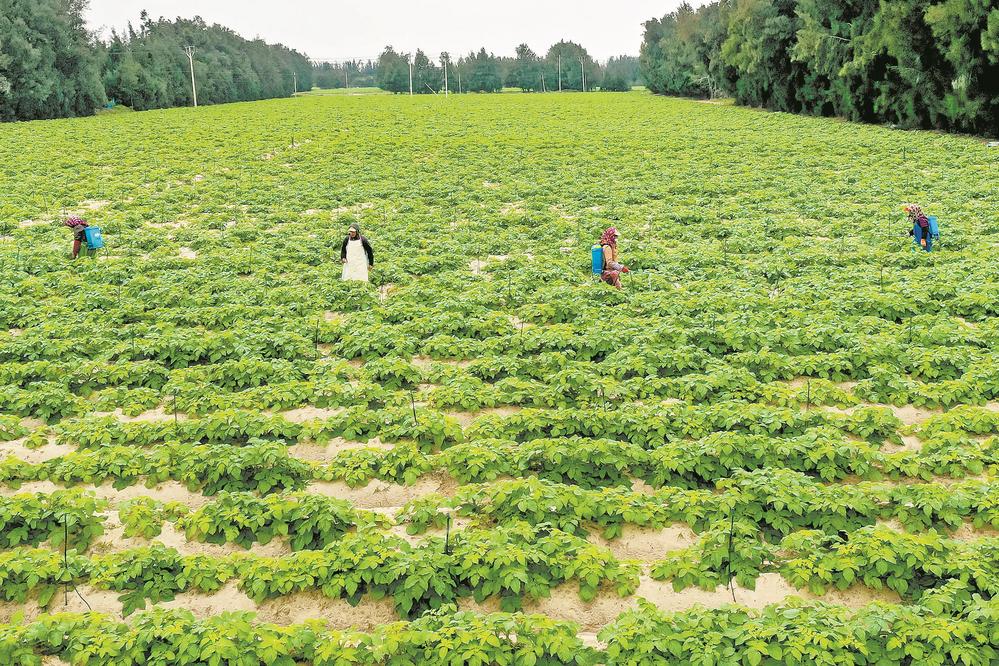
74	222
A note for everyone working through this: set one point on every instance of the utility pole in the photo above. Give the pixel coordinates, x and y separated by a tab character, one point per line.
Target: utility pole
295	74
582	73
346	79
560	71
459	80
410	79
543	89
189	50
445	78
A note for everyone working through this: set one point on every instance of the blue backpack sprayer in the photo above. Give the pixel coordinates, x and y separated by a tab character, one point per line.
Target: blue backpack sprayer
597	260
932	233
94	239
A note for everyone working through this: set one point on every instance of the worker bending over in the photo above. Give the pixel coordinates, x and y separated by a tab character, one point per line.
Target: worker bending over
920	226
79	228
613	268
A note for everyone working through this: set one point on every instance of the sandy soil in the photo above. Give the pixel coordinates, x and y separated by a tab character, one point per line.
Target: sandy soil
466	419
303	414
648	545
968	532
49	660
227	599
476	266
337	613
49	451
589	639
167	225
188	253
168	491
457	524
356	208
907	414
94	204
114	540
424	362
379	494
324	454
101	601
639	486
910	415
565	604
160	413
909	443
512	208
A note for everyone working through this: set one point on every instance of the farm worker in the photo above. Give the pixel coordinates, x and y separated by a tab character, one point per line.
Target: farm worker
356	255
920	225
612	267
79	228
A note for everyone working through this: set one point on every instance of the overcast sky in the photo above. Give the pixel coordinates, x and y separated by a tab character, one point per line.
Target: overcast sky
343	29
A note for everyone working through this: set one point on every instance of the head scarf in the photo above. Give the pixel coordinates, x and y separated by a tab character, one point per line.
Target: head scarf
356	227
609	237
915	213
74	221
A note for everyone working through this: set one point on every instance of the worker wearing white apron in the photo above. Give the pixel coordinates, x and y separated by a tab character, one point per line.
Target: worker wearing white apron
356	255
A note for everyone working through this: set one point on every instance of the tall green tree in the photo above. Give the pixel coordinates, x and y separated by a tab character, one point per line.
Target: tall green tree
48	61
427	76
967	35
760	36
484	73
912	63
393	71
620	74
525	72
573	65
148	68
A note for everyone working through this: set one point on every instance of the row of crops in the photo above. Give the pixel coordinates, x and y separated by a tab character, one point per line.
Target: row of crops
777	444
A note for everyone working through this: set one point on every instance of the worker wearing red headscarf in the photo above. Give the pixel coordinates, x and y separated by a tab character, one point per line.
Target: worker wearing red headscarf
920	225
612	267
79	228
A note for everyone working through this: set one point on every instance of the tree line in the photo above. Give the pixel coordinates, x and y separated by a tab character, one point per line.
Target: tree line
912	63
350	74
566	66
52	67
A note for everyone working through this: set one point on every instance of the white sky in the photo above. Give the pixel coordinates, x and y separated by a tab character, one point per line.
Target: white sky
343	29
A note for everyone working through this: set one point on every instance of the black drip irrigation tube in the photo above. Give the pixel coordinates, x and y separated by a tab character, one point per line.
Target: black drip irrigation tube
728	564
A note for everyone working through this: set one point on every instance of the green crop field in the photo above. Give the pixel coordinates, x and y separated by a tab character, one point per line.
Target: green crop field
777	444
